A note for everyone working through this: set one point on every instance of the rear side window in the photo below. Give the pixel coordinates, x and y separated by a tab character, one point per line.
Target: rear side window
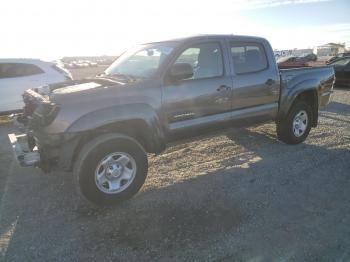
8	70
248	57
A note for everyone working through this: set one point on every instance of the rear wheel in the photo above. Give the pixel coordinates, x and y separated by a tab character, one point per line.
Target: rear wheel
110	169
297	125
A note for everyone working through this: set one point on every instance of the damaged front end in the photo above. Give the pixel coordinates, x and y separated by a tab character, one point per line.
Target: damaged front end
25	155
29	145
44	137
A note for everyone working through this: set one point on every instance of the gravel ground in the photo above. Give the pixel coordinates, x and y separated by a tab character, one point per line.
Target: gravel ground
235	196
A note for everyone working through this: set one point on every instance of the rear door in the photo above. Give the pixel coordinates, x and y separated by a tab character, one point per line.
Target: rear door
256	83
15	78
205	98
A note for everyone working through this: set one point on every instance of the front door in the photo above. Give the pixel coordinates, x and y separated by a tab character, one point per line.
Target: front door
205	98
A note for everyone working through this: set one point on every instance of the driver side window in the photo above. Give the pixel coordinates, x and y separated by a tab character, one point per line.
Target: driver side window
206	60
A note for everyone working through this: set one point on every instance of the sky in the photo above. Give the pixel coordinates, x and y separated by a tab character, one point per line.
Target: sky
51	29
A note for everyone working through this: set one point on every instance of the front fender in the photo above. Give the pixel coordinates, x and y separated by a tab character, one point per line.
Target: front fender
151	126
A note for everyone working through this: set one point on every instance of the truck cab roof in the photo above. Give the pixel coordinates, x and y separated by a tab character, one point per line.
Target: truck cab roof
213	37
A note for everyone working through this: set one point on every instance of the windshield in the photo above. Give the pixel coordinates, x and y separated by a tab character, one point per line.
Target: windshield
142	61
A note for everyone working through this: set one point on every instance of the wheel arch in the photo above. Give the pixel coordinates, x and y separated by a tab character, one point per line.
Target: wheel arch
138	121
305	91
311	98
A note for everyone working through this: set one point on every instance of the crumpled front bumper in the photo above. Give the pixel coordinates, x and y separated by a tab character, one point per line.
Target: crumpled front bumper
21	149
41	149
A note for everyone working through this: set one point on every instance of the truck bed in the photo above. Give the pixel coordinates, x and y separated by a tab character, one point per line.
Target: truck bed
317	81
322	77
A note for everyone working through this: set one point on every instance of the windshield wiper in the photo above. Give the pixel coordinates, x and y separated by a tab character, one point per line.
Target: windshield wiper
129	78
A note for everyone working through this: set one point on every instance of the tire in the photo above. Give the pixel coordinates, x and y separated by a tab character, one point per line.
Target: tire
291	132
96	175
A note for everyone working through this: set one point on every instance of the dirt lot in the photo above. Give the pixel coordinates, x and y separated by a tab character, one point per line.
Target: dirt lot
236	196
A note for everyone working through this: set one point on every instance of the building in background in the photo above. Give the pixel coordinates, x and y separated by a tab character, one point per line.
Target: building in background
293	52
330	49
302	52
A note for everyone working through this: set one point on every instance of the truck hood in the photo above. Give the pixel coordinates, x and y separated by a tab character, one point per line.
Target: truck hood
87	89
76	88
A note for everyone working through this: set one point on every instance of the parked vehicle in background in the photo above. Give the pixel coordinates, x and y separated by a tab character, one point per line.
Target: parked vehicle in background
309	57
93	64
295	62
102	128
342	70
340	55
80	64
291	62
17	75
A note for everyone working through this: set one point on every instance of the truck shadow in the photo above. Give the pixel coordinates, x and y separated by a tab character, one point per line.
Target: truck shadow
338	108
249	196
248	193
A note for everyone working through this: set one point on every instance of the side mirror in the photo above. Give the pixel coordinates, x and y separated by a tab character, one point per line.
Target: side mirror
180	71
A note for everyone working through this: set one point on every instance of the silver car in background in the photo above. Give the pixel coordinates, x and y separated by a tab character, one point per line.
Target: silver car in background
18	75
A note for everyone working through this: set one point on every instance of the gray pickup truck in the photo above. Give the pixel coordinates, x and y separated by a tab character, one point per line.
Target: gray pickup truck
102	128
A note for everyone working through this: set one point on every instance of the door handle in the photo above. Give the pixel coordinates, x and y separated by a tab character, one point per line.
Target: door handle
223	87
269	82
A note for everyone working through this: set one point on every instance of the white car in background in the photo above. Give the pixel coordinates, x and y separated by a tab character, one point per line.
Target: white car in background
18	75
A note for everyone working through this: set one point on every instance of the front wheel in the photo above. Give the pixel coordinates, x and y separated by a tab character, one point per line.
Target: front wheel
297	125
110	169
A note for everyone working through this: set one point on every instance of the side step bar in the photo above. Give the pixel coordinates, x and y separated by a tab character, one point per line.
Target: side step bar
24	156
